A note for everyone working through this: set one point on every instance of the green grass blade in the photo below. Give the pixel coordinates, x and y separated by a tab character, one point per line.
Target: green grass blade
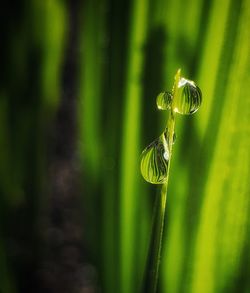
130	144
223	228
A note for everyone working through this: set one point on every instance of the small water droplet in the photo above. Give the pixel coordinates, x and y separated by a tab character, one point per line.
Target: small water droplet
154	161
164	100
188	97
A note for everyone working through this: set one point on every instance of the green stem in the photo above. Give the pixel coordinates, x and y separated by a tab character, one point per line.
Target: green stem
154	257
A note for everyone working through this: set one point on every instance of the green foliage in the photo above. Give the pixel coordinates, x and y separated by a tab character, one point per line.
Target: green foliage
184	99
128	52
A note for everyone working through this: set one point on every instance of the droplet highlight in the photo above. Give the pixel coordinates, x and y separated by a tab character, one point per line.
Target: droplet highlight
188	97
164	100
155	159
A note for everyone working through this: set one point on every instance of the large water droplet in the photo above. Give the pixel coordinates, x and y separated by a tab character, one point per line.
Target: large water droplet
188	97
164	100
154	161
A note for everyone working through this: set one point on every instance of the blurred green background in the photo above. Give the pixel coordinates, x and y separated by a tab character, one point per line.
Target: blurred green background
77	106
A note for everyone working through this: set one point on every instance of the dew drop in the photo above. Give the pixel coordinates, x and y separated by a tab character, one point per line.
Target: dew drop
188	97
164	100
154	160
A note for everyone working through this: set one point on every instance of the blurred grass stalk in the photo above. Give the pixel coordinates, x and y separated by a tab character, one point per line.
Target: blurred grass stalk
129	187
211	258
219	251
223	55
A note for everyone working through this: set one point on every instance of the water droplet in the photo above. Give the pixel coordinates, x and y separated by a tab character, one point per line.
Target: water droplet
188	97
164	100
155	158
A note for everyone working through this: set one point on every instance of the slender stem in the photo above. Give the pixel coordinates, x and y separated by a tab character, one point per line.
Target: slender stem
154	257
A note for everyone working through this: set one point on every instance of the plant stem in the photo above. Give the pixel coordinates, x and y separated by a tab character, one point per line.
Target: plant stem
154	257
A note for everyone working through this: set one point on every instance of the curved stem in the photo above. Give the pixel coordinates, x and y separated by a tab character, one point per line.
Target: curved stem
154	256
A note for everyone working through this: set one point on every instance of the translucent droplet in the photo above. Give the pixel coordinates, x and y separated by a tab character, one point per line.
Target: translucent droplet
154	161
164	100
188	97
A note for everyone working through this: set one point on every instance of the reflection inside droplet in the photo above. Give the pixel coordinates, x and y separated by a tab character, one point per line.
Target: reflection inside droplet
166	156
155	158
188	97
164	100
